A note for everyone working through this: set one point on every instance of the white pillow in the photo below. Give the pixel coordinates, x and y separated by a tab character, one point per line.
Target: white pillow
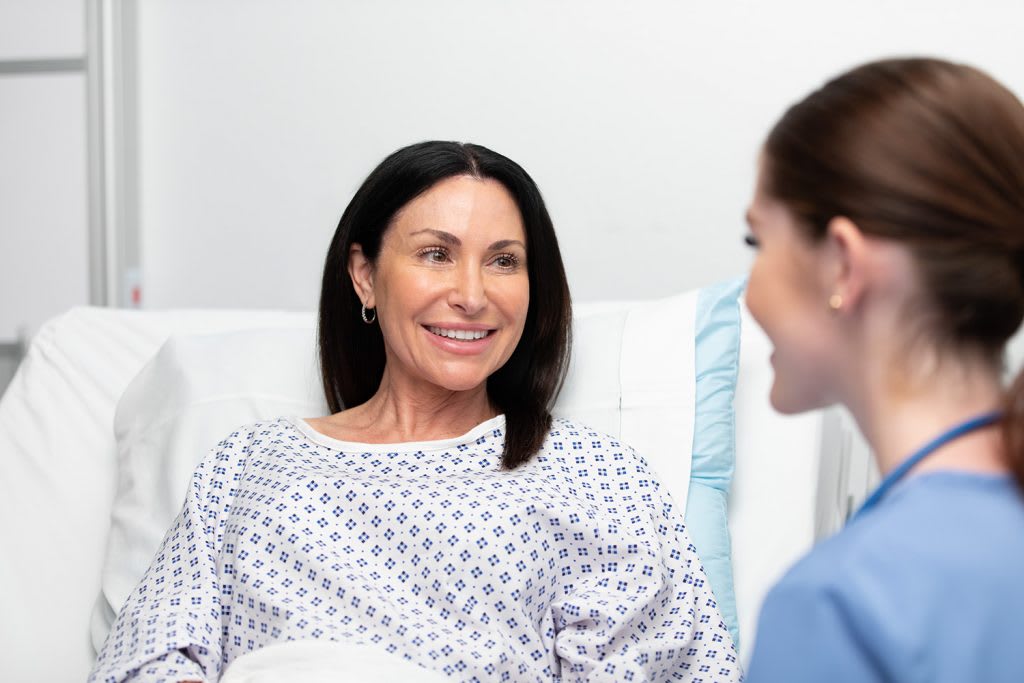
58	473
193	392
632	376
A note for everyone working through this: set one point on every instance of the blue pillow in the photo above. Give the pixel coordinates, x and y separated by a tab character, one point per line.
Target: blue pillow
717	342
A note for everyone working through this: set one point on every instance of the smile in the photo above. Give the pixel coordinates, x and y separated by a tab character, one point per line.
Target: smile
463	335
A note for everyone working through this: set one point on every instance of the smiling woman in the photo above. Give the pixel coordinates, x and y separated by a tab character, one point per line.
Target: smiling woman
439	514
453	237
451	304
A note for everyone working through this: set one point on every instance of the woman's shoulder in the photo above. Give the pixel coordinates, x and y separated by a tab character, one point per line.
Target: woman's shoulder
566	427
260	431
953	524
941	533
887	584
587	444
235	445
585	453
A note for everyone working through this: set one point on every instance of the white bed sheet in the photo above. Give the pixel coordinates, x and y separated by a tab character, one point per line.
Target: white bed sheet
320	661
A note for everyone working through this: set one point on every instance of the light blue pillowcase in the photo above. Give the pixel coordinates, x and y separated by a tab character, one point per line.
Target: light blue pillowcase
717	343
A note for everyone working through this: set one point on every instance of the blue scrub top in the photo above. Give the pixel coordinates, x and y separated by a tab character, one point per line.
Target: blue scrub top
926	586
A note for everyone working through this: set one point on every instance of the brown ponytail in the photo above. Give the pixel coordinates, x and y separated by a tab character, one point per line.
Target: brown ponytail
1013	428
931	154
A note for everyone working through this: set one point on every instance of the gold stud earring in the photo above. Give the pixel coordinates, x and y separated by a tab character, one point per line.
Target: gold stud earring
835	302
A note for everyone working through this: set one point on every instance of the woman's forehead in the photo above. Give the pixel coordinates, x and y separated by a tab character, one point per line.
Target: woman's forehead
464	208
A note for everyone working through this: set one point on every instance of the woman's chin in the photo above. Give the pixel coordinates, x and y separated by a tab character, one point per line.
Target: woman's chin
461	374
460	383
463	387
794	402
787	403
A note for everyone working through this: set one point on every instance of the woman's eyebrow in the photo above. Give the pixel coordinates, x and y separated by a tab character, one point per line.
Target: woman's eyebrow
445	237
451	239
505	244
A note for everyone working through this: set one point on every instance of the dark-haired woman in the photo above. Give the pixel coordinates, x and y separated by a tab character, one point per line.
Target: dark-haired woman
889	223
441	515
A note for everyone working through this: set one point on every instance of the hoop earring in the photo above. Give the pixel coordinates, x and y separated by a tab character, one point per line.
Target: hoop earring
367	319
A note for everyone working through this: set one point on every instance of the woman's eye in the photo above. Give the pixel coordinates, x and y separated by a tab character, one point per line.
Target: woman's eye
434	255
506	261
751	241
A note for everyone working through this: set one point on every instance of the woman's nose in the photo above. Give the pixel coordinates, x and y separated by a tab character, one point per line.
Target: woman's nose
468	293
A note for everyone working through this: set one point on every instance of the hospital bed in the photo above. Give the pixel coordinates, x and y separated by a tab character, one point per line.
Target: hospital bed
111	409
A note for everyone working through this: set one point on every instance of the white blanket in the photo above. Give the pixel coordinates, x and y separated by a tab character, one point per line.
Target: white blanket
325	661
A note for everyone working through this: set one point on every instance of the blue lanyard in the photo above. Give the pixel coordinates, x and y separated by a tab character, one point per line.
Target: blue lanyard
956	432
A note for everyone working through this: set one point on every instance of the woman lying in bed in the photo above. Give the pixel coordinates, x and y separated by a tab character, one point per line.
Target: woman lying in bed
443	516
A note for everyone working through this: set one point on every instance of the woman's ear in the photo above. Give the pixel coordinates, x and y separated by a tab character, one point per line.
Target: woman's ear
360	269
849	267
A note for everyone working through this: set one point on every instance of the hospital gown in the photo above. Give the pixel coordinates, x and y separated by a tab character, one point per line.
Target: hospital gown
575	566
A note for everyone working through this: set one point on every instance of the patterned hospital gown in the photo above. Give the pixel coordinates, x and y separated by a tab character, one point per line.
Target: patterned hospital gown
575	566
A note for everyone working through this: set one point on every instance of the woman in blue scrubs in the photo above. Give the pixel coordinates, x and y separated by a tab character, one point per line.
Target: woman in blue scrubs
888	220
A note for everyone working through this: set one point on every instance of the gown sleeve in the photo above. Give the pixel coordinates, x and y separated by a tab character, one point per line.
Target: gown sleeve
642	609
170	627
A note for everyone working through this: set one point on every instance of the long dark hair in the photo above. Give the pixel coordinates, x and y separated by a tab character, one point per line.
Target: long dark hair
929	153
352	354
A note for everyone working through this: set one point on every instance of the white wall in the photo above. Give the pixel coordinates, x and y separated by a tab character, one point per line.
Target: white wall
640	121
39	29
258	118
44	254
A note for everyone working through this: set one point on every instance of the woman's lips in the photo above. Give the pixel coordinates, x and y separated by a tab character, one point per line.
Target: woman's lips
460	341
459	334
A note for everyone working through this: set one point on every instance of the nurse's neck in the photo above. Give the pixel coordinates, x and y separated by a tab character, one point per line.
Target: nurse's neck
903	406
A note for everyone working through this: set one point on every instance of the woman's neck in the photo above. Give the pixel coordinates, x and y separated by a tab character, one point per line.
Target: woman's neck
404	412
900	410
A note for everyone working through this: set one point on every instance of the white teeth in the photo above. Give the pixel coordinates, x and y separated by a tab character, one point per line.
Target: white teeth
459	334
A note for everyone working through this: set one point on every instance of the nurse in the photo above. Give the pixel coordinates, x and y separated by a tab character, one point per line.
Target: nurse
888	220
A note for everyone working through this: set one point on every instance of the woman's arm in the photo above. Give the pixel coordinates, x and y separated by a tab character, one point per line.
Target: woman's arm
170	627
644	611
